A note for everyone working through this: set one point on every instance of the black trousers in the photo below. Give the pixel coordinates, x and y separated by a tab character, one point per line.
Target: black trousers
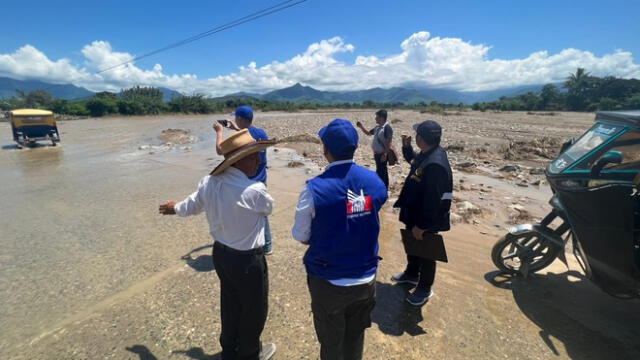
244	288
381	169
424	268
340	315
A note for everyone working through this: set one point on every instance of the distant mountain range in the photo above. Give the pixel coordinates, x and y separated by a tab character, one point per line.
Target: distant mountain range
298	93
8	87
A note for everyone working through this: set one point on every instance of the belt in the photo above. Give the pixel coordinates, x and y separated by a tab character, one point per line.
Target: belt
222	247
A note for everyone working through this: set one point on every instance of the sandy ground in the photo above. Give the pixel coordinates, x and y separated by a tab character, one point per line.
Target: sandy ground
88	269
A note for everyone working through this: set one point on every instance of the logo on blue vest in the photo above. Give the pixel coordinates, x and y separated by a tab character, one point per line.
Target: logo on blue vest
358	204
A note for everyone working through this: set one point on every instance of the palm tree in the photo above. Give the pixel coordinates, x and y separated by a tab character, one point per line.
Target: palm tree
577	86
575	80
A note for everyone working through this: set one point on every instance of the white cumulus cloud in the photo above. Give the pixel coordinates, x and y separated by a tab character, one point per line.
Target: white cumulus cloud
422	60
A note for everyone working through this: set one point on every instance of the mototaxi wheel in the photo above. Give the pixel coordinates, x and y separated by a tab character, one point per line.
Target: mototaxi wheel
524	253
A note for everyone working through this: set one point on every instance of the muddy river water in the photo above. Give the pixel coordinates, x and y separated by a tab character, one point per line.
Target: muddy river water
78	221
89	270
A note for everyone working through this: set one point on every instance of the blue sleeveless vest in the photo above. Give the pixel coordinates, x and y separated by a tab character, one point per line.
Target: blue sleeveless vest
345	229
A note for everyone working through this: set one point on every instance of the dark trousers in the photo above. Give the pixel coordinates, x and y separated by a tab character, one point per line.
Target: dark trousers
244	288
340	315
424	268
381	169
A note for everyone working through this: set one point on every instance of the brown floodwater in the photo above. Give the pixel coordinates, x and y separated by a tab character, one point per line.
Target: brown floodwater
79	223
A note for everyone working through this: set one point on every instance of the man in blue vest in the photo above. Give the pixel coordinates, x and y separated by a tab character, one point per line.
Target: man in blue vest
244	120
337	217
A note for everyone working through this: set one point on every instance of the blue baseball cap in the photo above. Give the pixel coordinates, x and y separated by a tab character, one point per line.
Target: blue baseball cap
340	137
244	111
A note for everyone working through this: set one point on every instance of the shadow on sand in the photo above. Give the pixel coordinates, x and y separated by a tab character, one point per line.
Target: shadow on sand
571	309
202	263
142	351
393	314
198	354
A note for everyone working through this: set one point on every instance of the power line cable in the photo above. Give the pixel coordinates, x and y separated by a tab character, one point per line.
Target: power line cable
245	19
251	17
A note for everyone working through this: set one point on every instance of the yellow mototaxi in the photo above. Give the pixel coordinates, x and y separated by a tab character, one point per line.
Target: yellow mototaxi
31	125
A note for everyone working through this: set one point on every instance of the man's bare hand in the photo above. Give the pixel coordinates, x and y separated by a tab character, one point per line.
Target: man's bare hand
168	208
217	127
417	233
406	140
358	124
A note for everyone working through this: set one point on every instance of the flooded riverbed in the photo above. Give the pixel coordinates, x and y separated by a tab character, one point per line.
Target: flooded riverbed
89	270
78	221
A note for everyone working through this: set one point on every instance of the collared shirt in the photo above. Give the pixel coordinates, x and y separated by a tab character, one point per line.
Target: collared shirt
235	206
382	134
301	231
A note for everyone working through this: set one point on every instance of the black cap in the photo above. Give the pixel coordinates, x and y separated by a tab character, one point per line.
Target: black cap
428	129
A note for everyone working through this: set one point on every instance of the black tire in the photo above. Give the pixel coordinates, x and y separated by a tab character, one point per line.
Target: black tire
529	245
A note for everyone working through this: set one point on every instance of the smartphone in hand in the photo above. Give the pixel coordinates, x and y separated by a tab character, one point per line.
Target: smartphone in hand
224	123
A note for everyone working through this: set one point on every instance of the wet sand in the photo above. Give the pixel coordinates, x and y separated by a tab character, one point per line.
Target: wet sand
88	270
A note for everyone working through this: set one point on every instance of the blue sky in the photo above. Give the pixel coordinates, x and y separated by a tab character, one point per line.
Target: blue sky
479	35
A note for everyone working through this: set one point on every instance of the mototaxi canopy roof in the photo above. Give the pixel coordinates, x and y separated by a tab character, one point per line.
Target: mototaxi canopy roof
30	112
627	117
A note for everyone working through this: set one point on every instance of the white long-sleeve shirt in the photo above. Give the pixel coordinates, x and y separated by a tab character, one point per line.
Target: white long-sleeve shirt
235	207
301	231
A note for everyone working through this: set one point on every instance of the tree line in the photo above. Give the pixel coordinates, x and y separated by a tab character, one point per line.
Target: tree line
581	91
149	101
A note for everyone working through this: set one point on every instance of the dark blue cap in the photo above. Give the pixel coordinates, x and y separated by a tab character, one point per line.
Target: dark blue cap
428	130
245	112
340	137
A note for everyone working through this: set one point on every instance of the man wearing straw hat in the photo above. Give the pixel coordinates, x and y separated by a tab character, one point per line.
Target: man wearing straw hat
236	208
244	120
337	217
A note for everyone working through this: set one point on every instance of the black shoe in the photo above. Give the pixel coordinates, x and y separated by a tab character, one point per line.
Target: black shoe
403	278
267	351
419	297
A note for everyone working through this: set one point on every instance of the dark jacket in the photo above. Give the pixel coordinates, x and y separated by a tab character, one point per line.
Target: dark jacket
425	198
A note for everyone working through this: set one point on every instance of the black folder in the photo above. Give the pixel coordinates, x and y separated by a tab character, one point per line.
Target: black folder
430	247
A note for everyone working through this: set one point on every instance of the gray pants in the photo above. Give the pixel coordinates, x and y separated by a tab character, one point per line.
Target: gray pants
340	315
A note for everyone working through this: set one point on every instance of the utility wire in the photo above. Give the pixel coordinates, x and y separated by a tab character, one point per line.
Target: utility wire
251	17
245	19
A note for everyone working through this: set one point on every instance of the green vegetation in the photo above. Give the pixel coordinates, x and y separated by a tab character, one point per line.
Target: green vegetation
148	101
583	92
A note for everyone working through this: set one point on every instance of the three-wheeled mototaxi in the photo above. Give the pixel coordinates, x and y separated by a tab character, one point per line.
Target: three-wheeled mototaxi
31	125
595	206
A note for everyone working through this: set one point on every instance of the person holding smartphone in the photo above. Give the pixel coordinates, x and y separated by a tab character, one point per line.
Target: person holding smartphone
244	120
381	143
424	202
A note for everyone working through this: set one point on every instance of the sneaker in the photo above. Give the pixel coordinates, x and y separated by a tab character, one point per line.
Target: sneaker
401	278
268	251
267	351
419	297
